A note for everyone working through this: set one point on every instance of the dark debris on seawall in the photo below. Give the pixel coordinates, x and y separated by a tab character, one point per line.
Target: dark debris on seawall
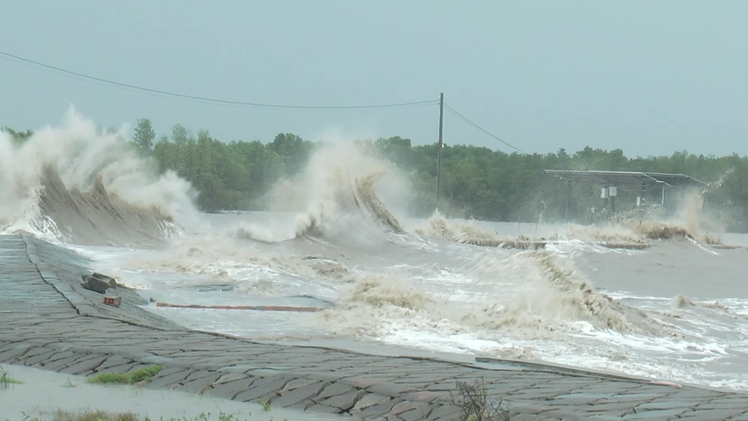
47	320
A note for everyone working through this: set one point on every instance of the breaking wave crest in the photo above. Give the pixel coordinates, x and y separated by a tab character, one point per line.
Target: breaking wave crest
530	294
379	290
437	226
74	184
643	232
337	197
689	222
615	234
338	192
379	303
551	295
681	301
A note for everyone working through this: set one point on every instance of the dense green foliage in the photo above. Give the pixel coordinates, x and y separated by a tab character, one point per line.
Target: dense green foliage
477	182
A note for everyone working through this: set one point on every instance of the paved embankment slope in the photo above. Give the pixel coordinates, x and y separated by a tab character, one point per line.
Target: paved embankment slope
48	321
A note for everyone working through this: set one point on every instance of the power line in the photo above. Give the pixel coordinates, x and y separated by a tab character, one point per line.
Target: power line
215	100
482	129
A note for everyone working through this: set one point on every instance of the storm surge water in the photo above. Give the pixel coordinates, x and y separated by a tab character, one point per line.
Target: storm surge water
645	297
75	184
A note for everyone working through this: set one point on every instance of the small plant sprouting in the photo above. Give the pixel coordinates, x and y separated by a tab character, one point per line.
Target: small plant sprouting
265	405
6	379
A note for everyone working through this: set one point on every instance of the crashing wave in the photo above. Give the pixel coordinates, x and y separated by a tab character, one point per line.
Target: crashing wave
551	295
74	184
95	216
339	188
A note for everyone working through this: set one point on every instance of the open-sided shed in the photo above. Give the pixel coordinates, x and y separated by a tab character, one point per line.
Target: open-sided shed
609	181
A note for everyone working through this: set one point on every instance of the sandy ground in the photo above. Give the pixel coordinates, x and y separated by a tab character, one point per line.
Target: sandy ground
43	392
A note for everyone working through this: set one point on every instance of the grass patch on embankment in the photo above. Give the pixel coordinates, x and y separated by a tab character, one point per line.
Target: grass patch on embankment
6	379
145	374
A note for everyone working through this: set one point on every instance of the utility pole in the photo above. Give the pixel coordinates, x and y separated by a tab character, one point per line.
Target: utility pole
439	153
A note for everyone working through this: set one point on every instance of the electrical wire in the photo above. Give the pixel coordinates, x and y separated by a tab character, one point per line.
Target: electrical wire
214	100
482	129
250	104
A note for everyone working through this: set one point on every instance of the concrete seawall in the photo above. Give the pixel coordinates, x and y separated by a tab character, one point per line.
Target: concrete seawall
48	321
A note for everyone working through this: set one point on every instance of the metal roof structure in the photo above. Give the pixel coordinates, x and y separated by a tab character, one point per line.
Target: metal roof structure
620	178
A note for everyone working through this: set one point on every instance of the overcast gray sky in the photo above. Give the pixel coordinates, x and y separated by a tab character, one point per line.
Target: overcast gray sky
649	77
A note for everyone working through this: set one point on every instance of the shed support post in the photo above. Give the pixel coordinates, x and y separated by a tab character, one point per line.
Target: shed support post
662	202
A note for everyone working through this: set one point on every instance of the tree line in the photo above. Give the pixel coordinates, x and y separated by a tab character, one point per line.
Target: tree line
477	182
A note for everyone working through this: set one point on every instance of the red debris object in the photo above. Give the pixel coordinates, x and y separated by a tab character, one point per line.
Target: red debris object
113	301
